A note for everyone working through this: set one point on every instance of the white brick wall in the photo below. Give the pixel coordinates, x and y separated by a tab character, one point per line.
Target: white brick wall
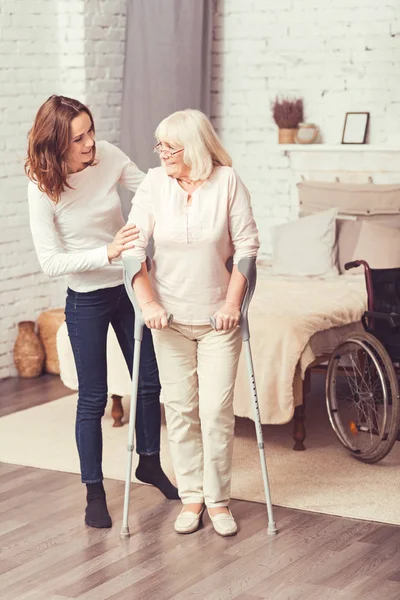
339	55
29	72
105	22
71	47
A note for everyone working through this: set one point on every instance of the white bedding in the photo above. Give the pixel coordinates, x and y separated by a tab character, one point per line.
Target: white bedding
292	321
285	315
324	342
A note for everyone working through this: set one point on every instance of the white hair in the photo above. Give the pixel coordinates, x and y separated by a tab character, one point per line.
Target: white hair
192	130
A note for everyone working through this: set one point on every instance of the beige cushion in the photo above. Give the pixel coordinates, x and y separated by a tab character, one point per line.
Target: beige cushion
306	246
379	245
349	198
348	233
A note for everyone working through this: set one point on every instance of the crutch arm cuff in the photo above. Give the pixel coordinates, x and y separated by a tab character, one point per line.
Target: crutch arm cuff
247	267
132	266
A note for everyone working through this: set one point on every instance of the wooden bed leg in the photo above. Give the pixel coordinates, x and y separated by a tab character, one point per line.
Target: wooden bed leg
299	429
117	410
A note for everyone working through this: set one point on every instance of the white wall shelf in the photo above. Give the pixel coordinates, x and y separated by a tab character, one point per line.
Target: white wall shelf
333	148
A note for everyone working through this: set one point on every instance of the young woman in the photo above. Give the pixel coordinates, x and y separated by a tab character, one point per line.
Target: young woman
199	213
79	231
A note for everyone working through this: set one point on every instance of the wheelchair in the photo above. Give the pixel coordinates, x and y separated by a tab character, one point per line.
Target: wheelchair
362	379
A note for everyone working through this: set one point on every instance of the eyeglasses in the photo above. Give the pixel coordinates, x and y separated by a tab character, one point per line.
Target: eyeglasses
160	149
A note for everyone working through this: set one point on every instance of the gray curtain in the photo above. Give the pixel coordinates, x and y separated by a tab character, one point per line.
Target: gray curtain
167	68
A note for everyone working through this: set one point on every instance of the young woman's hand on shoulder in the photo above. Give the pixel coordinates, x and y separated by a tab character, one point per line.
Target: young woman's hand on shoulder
123	241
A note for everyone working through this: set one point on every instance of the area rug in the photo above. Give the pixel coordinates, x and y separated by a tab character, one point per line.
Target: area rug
323	479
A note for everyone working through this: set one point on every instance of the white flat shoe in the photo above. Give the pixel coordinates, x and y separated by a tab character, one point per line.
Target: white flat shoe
224	524
188	522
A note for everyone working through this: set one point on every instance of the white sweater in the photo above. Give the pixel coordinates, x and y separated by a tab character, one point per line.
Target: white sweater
71	237
191	246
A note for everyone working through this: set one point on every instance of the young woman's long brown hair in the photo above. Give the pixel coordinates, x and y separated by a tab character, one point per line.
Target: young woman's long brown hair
48	144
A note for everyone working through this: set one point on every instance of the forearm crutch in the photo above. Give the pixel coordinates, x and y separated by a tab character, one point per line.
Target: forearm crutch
132	266
247	267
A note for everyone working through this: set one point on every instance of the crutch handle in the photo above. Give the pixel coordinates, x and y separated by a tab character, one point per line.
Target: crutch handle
170	318
213	322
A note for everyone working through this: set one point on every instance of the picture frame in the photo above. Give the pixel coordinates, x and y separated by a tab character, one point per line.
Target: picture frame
355	128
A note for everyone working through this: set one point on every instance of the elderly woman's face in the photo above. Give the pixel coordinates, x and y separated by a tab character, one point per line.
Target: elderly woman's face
171	156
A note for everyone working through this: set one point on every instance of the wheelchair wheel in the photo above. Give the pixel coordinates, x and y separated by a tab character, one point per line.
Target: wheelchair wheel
362	397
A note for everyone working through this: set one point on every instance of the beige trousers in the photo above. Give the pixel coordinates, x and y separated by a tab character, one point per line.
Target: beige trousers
198	369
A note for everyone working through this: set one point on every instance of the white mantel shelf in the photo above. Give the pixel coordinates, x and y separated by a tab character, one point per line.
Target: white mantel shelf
333	148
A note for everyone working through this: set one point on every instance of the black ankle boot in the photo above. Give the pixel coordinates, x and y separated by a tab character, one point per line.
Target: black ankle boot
96	513
150	471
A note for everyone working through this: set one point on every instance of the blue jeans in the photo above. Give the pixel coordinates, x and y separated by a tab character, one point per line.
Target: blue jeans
88	316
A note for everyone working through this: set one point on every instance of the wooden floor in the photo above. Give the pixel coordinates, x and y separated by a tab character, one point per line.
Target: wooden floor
46	552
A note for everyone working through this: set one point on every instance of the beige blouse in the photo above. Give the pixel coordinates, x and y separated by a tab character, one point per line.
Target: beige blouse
192	244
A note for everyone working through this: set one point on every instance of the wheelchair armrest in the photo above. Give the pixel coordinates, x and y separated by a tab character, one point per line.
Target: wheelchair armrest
392	318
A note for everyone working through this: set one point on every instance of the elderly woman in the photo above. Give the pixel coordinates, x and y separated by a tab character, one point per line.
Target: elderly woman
198	212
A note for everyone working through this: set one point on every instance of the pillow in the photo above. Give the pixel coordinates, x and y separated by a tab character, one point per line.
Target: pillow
347	235
306	247
378	244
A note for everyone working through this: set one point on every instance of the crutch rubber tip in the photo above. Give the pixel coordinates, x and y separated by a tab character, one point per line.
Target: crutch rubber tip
272	529
124	533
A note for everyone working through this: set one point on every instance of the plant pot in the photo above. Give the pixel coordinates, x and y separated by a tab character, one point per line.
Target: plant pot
307	133
286	136
49	323
28	351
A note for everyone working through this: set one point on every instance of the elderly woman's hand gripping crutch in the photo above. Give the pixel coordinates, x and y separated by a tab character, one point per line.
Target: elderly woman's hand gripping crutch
247	267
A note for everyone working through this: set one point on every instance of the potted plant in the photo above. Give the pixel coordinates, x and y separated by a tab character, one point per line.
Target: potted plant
287	115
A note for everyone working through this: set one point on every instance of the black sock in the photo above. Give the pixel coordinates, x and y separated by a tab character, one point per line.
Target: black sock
96	513
150	471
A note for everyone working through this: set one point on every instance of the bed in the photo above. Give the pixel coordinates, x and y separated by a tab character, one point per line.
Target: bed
295	321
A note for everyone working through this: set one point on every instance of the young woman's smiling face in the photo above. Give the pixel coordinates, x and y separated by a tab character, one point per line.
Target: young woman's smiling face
81	147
